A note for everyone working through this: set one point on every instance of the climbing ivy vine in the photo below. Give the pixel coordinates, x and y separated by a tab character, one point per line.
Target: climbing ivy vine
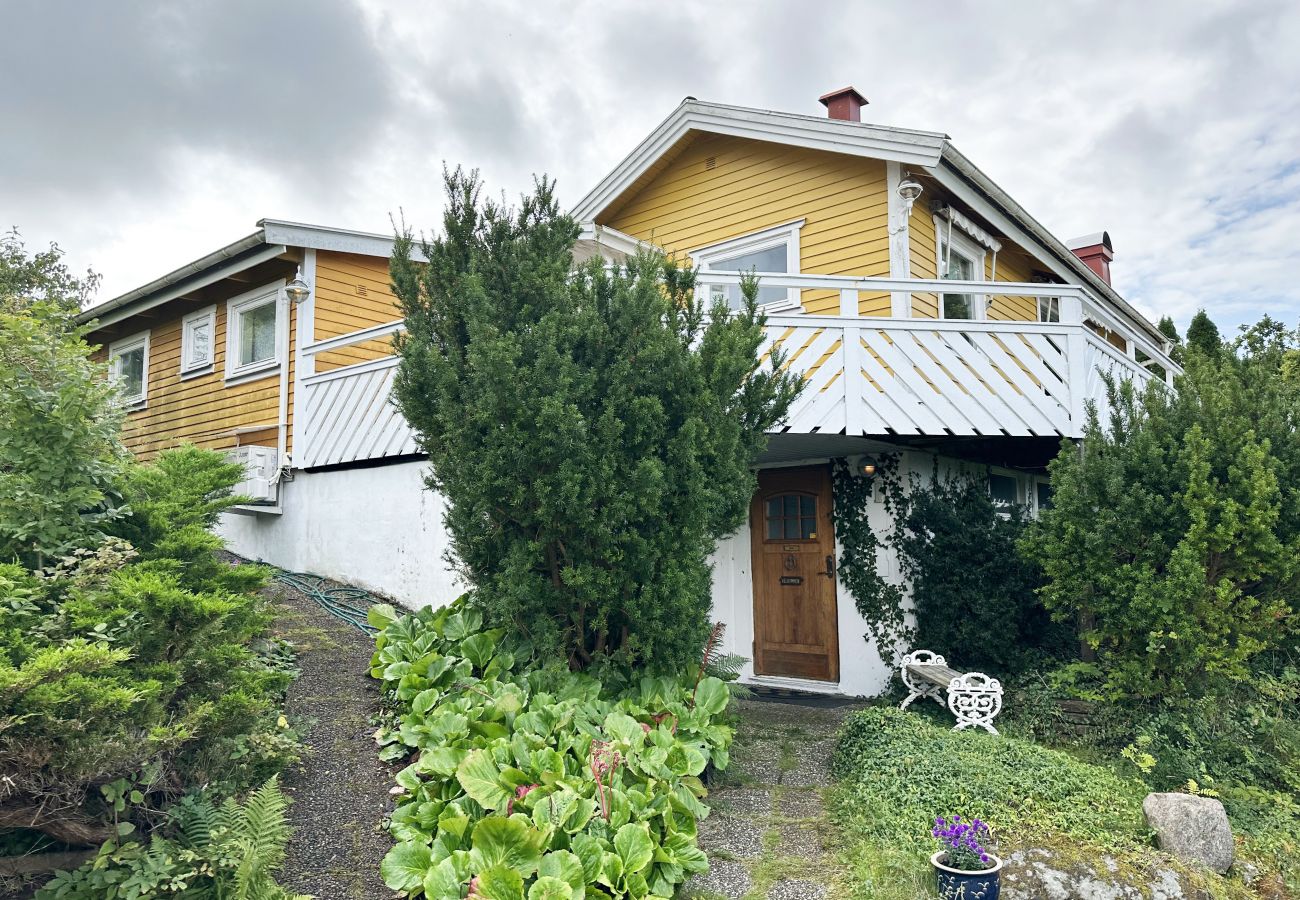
879	602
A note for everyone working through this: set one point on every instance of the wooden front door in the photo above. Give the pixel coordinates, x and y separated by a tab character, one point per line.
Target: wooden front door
795	622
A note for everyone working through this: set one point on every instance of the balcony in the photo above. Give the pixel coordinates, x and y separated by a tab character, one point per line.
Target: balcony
898	372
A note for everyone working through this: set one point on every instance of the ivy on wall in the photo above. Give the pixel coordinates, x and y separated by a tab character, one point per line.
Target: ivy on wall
879	602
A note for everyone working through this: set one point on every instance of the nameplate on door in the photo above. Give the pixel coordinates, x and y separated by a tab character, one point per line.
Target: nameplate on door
792	579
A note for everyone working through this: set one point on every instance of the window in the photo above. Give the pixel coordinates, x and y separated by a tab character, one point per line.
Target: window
792	517
1042	495
1004	489
253	332
774	251
128	364
198	331
1049	309
962	261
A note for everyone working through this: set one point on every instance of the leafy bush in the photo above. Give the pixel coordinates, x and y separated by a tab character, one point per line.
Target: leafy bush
61	456
215	851
1174	535
126	681
971	587
545	783
592	431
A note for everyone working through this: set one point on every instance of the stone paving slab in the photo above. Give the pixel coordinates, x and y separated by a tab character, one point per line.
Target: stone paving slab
741	801
734	837
724	879
800	804
797	890
800	841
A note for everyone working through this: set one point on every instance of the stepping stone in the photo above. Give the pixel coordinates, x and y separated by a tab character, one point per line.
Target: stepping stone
812	764
731	836
803	803
724	879
747	802
801	841
797	890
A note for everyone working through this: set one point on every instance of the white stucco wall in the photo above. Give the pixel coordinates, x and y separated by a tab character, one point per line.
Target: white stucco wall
378	528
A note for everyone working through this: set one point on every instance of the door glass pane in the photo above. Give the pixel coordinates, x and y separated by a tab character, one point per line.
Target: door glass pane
771	260
792	529
130	372
792	517
774	528
257	334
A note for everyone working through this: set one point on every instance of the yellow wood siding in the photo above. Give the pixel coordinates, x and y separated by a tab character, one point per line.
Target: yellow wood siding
722	187
201	409
352	292
1013	265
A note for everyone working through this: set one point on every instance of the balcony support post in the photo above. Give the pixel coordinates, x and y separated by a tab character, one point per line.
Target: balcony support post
849	302
852	381
1076	359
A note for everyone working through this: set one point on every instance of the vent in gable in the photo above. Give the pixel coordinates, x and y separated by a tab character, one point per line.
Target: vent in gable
711	162
361	290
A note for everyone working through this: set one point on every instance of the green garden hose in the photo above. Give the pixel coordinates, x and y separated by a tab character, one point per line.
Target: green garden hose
347	604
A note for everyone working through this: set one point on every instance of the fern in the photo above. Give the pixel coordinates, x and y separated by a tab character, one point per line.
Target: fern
221	852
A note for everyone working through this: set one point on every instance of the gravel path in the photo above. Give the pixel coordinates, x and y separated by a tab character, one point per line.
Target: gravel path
340	790
769	835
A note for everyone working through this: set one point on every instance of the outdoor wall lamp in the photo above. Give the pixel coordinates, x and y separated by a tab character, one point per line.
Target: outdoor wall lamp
297	290
909	190
863	466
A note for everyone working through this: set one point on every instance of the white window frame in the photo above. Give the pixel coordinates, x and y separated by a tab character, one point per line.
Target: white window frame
206	316
1050	305
786	234
969	248
235	306
1016	477
1035	508
139	340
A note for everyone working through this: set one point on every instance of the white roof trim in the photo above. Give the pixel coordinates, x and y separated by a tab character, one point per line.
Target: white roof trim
918	148
613	239
340	240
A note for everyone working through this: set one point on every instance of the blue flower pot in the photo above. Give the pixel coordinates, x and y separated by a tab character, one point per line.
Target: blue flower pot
954	884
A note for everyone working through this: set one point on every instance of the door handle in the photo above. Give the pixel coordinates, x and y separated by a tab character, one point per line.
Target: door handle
830	566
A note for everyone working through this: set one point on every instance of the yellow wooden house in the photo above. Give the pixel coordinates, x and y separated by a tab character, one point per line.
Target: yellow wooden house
928	312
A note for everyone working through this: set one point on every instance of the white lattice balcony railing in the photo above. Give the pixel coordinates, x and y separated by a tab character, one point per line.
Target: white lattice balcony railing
895	374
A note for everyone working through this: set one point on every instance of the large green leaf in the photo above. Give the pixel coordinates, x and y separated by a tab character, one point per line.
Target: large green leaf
509	842
446	878
404	867
381	615
441	760
590	853
549	888
622	727
711	695
481	779
499	882
479	648
565	866
634	847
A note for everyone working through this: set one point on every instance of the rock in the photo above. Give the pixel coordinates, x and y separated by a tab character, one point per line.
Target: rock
1040	874
1192	828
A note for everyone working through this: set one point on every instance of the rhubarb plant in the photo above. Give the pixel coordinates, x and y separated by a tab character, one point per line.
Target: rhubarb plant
538	783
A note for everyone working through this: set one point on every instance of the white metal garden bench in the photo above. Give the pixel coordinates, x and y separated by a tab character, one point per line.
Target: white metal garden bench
973	697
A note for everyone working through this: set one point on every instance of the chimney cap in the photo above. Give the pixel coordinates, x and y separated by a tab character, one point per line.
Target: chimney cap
1097	238
850	91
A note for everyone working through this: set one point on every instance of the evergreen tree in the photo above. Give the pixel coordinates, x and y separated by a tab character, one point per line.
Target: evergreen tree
591	430
1175	528
1168	329
1203	334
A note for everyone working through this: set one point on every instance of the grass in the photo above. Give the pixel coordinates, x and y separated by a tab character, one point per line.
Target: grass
899	771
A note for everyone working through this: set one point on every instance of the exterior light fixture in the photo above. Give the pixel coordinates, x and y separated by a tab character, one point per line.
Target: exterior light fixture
909	190
863	466
297	290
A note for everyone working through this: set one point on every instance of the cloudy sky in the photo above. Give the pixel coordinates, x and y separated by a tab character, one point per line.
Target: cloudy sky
140	136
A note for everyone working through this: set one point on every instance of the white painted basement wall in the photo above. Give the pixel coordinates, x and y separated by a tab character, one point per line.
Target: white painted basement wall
377	528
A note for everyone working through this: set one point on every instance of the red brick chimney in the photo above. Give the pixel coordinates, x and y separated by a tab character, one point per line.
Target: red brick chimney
845	104
1096	251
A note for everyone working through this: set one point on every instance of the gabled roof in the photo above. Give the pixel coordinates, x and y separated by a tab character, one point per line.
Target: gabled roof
926	151
272	238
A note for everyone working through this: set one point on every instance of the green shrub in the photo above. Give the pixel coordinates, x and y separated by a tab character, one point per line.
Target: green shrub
900	771
61	455
593	431
971	588
1174	535
211	851
125	682
543	782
